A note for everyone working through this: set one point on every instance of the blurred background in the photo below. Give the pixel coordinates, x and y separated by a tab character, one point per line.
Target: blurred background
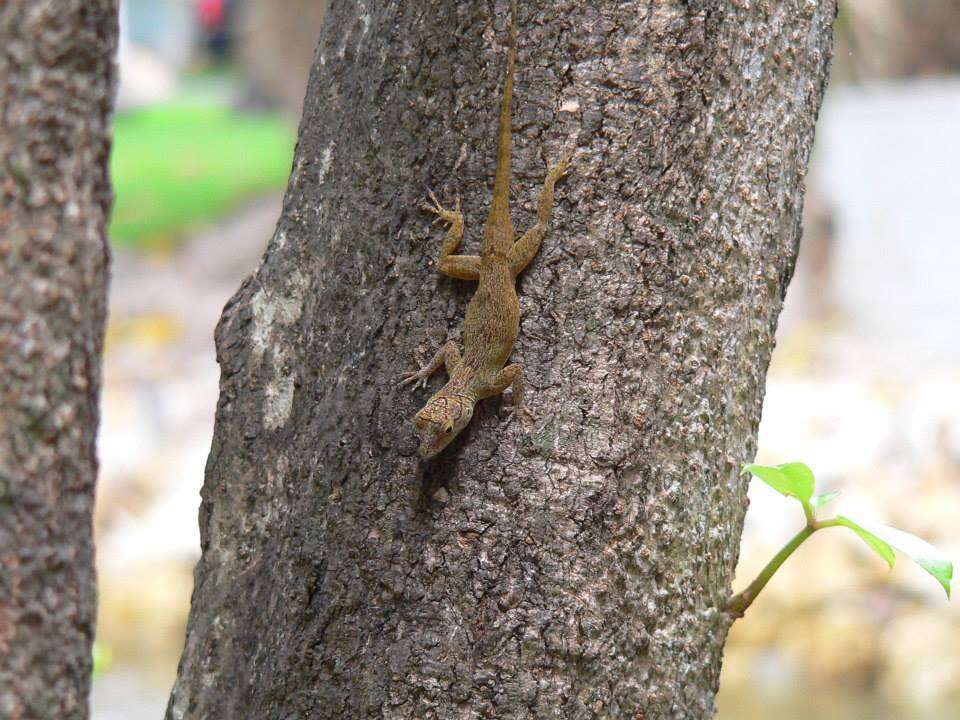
864	385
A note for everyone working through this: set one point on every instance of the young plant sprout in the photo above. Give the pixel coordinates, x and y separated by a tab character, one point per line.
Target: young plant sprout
796	480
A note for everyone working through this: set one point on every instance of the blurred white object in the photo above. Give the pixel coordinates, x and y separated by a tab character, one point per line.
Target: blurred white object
888	155
157	39
144	78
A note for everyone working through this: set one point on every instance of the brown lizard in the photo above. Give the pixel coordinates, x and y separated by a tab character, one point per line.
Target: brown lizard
493	315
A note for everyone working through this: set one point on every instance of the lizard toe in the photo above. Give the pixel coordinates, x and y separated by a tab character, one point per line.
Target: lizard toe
409	378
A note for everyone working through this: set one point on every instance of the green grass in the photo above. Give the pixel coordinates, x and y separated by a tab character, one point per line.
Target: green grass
179	167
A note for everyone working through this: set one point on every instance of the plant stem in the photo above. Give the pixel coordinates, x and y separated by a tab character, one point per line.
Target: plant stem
739	603
829	523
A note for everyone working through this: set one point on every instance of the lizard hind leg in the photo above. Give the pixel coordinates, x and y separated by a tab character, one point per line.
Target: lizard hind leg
526	248
448	356
464	267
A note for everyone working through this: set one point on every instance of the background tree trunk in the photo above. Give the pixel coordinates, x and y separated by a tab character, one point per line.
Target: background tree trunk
275	47
56	96
575	567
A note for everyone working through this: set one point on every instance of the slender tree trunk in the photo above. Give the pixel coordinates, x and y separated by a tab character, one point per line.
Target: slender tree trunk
56	96
573	567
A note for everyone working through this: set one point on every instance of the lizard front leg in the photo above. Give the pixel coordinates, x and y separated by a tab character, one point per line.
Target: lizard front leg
448	356
511	376
464	267
526	248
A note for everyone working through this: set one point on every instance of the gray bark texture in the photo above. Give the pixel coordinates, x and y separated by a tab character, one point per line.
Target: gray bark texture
56	96
575	566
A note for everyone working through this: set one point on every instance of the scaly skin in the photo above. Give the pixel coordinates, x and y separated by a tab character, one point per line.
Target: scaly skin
493	315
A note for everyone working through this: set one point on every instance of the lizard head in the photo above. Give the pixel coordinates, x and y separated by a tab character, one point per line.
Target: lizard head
440	421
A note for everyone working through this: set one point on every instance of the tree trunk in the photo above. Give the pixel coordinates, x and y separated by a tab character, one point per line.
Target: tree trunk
56	95
573	567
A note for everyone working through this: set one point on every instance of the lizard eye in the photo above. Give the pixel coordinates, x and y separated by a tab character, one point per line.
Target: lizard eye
448	426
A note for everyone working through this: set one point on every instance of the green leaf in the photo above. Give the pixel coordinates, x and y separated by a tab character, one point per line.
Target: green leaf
920	551
821	499
790	479
876	544
102	658
801	475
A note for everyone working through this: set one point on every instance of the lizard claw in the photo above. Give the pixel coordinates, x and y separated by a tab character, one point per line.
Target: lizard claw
436	208
441	212
413	377
519	410
560	169
562	165
430	209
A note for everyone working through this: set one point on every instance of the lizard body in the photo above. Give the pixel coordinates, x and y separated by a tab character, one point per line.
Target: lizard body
492	320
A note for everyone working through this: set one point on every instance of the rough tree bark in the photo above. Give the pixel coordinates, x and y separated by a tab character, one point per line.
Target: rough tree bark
575	567
56	97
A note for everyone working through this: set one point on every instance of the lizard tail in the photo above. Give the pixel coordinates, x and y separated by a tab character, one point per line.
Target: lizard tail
501	182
